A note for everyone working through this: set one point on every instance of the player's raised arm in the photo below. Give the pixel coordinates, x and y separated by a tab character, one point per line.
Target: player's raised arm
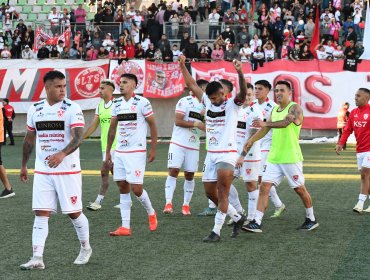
153	136
189	80
28	144
240	97
93	126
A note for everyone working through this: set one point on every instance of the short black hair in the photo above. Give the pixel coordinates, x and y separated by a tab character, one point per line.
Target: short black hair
284	83
213	87
228	84
6	100
249	85
202	82
54	74
263	83
130	77
365	90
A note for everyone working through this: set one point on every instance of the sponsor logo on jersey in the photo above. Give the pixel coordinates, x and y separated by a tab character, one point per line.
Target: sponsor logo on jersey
213	115
105	120
192	139
213	141
195	115
242	125
366	116
48	148
127	117
359	123
133	108
73	199
124	143
248	171
49	125
46	160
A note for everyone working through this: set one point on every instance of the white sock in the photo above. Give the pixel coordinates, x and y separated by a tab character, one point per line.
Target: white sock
233	214
188	191
81	225
362	198
125	207
145	201
39	234
252	204
219	222
99	199
259	216
275	198
309	214
211	204
170	188
234	199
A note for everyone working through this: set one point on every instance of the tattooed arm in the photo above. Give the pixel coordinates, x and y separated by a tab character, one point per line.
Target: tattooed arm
28	144
56	159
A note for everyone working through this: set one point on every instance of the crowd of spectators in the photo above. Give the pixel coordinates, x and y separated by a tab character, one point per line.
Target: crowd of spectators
275	30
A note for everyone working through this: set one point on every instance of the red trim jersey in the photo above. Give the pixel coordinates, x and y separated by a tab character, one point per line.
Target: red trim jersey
358	122
221	122
131	127
9	111
53	126
188	137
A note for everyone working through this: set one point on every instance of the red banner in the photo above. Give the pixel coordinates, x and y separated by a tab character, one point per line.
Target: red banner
163	80
320	87
42	38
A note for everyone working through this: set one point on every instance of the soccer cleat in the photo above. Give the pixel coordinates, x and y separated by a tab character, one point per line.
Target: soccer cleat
252	226
94	206
278	211
153	222
33	263
359	207
83	256
208	212
237	226
7	193
121	231
186	210
231	222
308	225
213	237
168	209
367	210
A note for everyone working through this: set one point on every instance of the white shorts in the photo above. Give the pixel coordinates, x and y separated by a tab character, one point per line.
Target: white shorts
178	156
111	155
209	168
48	189
264	155
292	171
129	167
363	160
249	171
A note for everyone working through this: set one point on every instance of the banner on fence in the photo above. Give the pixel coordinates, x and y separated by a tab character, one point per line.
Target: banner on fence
320	87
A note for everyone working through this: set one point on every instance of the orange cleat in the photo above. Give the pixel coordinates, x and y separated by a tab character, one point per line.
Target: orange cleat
186	210
121	231
153	222
168	209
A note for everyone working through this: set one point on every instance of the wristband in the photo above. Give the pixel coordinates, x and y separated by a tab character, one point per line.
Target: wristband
243	154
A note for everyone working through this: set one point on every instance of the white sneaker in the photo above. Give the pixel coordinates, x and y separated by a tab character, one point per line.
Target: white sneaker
359	207
83	256
33	263
94	206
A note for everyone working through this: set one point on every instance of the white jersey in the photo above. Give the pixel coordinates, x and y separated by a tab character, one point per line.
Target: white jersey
131	127
266	109
191	108
221	122
53	126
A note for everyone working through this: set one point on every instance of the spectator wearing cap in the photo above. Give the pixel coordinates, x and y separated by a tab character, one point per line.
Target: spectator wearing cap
80	16
5	53
27	53
54	19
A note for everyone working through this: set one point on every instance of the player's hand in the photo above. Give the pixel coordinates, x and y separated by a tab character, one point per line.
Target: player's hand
182	59
108	164
240	161
56	159
258	123
338	149
247	146
151	156
24	175
237	65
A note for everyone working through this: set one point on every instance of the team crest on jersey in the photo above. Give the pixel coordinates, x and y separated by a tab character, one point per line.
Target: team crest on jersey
124	143
60	113
137	173
46	160
213	141
295	177
248	171
192	139
133	108
73	199
366	116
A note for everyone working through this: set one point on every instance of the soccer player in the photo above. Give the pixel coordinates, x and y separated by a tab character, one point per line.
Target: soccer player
130	115
184	148
8	191
56	125
265	105
285	156
342	119
359	122
221	120
103	115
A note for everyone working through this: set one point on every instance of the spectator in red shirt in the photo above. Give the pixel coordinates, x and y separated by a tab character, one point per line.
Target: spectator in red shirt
359	122
9	115
130	49
92	54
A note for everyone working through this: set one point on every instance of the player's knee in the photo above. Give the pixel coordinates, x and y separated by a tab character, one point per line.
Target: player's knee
137	190
174	172
365	173
189	176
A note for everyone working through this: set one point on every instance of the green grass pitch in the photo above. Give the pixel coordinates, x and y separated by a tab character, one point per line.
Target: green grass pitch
338	249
